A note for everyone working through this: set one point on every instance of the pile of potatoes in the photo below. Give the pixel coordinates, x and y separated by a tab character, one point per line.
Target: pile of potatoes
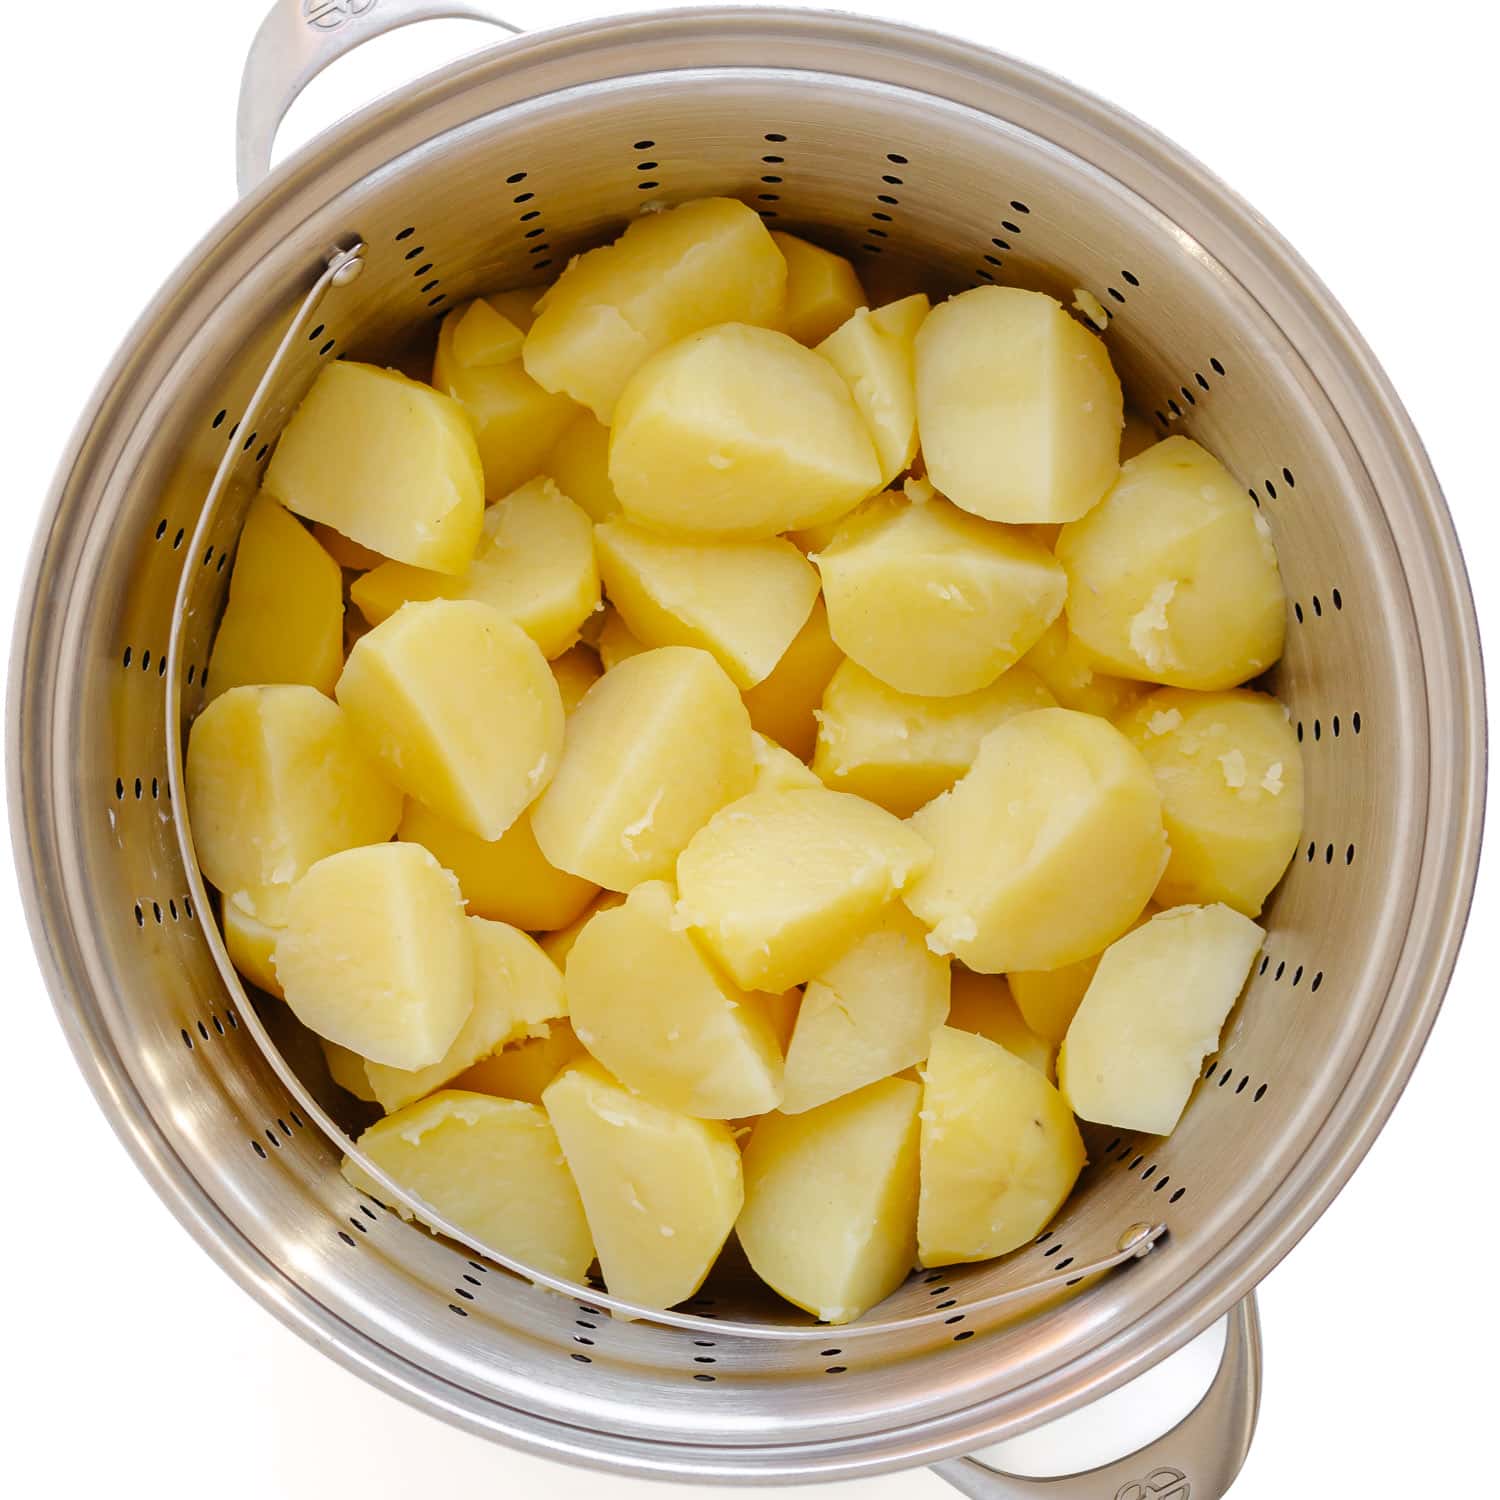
775	767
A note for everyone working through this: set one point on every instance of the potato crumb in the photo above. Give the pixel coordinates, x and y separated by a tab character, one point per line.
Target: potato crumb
1233	766
1150	624
1272	781
632	831
1091	307
918	490
667	1232
1163	721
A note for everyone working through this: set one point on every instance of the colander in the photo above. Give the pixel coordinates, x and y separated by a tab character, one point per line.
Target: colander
902	149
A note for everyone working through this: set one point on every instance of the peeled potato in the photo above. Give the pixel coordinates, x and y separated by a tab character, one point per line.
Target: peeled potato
251	922
777	769
575	672
661	1190
1000	1151
346	553
900	750
387	461
616	643
1046	851
830	1210
784	705
738	432
669	275
482	335
742	602
347	1069
932	601
822	290
1070	677
1153	1013
983	1004
1019	408
557	945
1173	578
458	707
518	305
523	1069
579	462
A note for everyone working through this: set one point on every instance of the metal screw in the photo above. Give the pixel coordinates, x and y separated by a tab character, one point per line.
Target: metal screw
1134	1236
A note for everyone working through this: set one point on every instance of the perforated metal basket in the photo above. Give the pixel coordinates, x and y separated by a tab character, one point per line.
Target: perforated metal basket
900	148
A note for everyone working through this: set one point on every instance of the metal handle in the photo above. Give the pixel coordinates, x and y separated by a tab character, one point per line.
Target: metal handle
298	39
1197	1460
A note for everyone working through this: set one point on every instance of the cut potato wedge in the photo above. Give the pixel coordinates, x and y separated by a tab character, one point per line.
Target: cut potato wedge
482	335
983	1004
1065	668
822	290
777	769
616	644
518	304
347	1069
523	1069
346	553
557	945
579	463
575	672
784	705
251	921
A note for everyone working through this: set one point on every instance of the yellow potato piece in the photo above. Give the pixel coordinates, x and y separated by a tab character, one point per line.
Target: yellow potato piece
869	1014
1173	578
1019	408
484	336
616	644
492	1168
1046	851
780	883
346	553
579	462
575	672
517	991
347	1069
518	305
822	290
739	432
901	751
251	921
656	748
661	1190
285	618
648	1004
458	707
830	1213
932	601
523	1069
388	461
377	955
1230	773
1070	677
983	1004
784	705
742	602
557	945
1000	1151
276	779
535	565
777	769
875	353
668	276
1152	1014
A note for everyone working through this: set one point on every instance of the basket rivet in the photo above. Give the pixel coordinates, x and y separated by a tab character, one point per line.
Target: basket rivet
1133	1236
352	268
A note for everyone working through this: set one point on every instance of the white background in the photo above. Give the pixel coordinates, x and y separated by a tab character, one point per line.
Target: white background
1366	133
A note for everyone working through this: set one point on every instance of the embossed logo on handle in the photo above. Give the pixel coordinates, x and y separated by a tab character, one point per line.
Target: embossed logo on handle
1159	1484
329	15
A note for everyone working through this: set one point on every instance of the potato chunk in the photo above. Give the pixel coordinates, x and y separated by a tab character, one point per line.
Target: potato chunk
739	432
822	289
347	1069
575	672
935	602
377	955
251	921
1230	773
830	1210
1153	1013
784	705
535	565
285	618
1066	669
657	746
1046	851
875	353
518	304
616	643
1000	1151
346	553
387	461
492	1168
1019	408
669	275
276	779
579	463
867	1015
742	602
482	335
648	1004
901	751
517	991
457	705
557	945
777	769
661	1190
983	1004
780	883
1173	578
523	1069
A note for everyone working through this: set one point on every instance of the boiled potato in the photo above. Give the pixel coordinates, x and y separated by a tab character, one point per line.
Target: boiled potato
492	1168
901	751
457	705
557	945
387	461
830	1210
822	289
1152	1014
518	305
482	335
780	883
657	746
932	601
347	1069
615	640
738	432
1046	851
983	1004
535	565
276	779
284	621
1173	579
742	602
517	991
251	922
669	275
777	769
875	353
784	705
1230	773
346	553
1019	408
867	1015
523	1069
579	462
1065	667
648	1004
377	954
1000	1151
661	1190
575	672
